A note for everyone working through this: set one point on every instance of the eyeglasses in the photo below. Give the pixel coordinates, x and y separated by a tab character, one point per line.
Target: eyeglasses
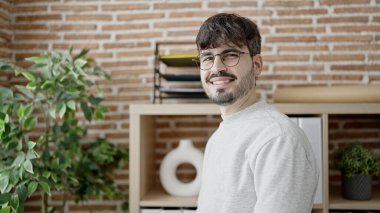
229	59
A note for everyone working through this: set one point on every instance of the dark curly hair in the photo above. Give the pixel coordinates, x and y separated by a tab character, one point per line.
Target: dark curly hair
224	28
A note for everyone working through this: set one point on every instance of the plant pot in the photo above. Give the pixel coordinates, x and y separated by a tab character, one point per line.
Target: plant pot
358	187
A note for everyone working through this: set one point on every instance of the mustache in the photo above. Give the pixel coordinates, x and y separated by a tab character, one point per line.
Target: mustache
221	74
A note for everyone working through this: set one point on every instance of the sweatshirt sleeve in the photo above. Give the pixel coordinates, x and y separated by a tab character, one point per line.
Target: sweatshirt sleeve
285	178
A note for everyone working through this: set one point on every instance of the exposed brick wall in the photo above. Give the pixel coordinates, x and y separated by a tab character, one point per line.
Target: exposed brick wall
322	42
5	29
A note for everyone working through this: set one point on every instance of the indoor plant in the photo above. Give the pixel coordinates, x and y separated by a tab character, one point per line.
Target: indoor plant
60	88
357	165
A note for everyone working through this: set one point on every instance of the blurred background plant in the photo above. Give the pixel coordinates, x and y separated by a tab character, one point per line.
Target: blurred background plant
61	97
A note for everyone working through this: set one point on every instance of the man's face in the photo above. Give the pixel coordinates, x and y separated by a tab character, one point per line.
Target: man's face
226	84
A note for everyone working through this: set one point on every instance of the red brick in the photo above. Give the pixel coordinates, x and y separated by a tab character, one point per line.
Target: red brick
134	90
361	47
131	72
76	8
355	67
336	77
298	68
353	135
179	33
87	36
76	46
351	10
311	30
303	48
187	14
232	4
252	12
343	2
288	21
128	98
37	37
292	12
34	18
16	2
117	135
374	78
125	27
375	124
353	38
268	77
135	53
297	39
376	19
30	27
274	58
72	27
124	64
95	17
374	57
292	4
336	57
140	16
334	20
355	28
176	24
23	9
167	6
139	35
124	7
118	45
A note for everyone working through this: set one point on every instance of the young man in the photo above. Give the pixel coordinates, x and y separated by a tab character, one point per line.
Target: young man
257	160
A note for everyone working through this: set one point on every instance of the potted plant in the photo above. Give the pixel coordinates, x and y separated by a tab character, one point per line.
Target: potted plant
61	97
357	165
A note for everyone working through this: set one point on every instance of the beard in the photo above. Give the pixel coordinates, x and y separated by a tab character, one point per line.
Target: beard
223	98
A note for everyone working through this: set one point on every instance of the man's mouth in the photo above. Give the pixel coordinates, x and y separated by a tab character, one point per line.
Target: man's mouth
221	80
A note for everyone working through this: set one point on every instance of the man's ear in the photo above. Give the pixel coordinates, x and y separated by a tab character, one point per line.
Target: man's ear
257	64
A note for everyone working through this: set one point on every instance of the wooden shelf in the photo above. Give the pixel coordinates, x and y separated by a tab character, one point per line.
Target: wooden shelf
145	192
157	197
338	202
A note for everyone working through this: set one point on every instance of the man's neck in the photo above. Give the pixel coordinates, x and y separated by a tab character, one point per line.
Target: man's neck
240	104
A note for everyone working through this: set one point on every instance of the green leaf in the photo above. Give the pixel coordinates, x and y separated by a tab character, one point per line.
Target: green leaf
30	123
52	112
94	100
28	109
61	109
37	60
19	159
31	144
32	187
22	192
4	181
5	93
79	63
20	112
5	210
26	92
46	85
45	187
15	202
5	198
31	86
82	53
28	166
31	154
71	104
30	76
86	110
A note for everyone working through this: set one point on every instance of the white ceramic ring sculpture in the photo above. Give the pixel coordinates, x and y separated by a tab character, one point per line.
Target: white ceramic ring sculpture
184	153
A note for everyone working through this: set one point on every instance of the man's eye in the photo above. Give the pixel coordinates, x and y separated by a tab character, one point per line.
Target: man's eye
207	58
231	55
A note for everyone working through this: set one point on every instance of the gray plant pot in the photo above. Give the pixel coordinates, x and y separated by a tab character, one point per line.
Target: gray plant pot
358	187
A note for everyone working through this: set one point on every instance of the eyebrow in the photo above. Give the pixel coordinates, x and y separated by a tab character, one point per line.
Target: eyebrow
224	51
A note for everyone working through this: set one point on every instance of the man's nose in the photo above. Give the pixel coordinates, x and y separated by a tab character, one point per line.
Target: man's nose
218	64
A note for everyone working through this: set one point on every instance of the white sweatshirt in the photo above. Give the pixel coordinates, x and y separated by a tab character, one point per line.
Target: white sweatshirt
258	161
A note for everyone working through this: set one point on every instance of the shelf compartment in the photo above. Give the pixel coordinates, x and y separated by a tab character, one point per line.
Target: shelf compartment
179	60
337	202
181	77
157	197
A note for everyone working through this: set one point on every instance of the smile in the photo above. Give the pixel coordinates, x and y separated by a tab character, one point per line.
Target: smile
220	80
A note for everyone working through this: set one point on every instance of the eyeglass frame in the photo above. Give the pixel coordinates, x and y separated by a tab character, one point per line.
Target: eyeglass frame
198	62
